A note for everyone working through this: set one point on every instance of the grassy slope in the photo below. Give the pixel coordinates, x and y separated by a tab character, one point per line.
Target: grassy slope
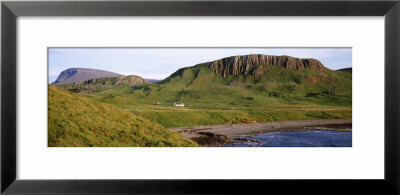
78	121
277	85
277	95
346	70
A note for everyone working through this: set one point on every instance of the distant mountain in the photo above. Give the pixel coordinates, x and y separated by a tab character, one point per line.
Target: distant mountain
153	80
97	84
73	75
346	69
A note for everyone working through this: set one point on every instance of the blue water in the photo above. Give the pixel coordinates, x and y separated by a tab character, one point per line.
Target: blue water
312	138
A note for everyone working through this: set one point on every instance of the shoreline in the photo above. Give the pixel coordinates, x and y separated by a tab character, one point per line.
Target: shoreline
217	135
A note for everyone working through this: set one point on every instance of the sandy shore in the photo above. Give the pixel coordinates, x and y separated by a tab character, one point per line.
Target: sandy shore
237	130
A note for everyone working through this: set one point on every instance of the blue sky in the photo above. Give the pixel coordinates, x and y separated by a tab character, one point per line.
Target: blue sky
159	63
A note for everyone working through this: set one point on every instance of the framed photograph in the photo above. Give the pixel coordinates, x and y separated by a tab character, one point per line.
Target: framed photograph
199	97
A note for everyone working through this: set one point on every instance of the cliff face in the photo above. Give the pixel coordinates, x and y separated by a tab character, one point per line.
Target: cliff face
249	64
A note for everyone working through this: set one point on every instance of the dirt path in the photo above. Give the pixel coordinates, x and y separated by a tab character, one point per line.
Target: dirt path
235	130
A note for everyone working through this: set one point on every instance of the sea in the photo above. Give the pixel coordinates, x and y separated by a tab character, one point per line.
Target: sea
309	138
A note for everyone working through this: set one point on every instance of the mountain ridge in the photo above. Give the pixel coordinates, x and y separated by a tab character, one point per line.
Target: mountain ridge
274	73
72	75
104	82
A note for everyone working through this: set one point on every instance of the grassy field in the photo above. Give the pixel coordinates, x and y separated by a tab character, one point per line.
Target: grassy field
278	95
181	117
75	120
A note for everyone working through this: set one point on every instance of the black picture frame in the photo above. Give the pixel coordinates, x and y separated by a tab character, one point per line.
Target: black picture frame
11	10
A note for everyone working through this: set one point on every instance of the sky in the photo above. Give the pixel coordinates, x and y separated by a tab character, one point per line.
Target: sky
159	63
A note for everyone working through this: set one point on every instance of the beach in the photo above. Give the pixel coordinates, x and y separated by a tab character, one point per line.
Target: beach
216	135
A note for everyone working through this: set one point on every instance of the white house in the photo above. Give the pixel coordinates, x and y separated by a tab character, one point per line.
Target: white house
179	104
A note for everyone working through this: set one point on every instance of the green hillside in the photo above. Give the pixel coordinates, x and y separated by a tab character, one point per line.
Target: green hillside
78	121
239	89
277	85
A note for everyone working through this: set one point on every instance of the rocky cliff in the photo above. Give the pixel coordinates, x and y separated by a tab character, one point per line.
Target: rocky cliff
250	64
131	80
